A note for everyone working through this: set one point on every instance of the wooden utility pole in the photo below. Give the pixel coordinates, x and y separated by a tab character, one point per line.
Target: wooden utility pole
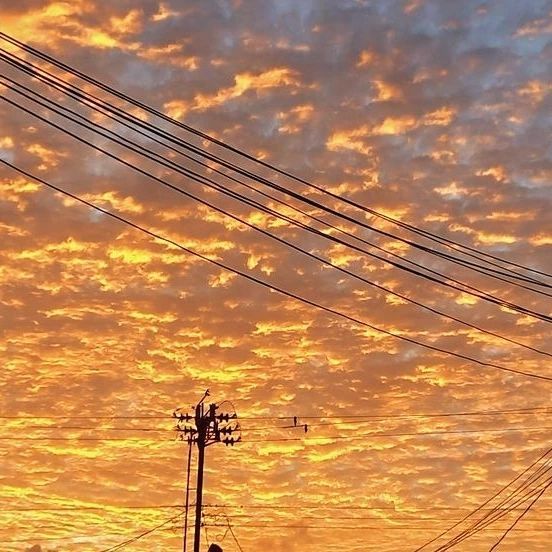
208	426
201	441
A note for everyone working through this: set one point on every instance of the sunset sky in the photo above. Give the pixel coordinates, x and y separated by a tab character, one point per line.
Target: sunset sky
434	112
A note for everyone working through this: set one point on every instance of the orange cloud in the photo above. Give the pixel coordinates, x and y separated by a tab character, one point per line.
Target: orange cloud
349	140
244	82
395	125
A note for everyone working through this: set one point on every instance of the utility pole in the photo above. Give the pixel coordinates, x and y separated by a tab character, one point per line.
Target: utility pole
204	428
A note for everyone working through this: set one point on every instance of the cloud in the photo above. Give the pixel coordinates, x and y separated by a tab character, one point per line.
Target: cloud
244	82
432	112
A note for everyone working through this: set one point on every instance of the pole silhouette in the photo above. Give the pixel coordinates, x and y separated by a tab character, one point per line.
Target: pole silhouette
204	428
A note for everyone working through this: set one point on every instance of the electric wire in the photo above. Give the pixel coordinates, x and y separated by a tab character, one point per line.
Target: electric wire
355	518
105	508
504	506
301	439
279	513
106	88
348	507
350	527
493	412
396	434
299	249
240	507
232	216
485	525
501	509
243	428
141	535
75	93
520	517
269	285
231	529
531	503
482	506
187	499
68	538
132	540
114	113
293	246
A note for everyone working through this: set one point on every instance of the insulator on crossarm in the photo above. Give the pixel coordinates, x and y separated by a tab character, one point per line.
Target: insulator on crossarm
230	441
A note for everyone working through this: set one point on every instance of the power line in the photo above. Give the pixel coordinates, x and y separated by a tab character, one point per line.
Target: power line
531	410
141	535
335	421
487	502
89	100
302	439
493	412
194	176
163	527
352	507
503	508
68	538
245	429
268	285
280	517
104	508
293	246
99	84
69	90
231	529
207	182
277	507
187	497
398	434
80	417
482	525
54	81
531	504
352	527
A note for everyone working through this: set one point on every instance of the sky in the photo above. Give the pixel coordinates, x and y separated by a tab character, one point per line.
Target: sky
434	112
